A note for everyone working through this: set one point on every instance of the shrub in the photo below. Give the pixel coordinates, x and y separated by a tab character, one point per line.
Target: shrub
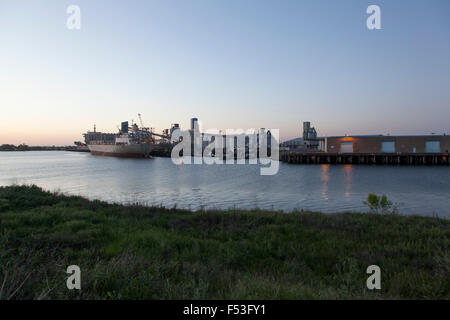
377	204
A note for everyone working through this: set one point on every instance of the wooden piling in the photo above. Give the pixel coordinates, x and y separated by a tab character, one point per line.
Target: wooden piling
363	158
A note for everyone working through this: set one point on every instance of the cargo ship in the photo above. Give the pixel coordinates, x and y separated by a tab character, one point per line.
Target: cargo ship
129	142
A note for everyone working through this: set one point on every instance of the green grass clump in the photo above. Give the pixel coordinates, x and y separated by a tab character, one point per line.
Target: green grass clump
137	252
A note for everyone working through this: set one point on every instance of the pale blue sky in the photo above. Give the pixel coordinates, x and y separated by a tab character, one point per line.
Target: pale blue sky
233	64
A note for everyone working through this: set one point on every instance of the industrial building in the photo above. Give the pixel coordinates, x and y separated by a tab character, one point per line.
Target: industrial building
387	144
308	141
368	149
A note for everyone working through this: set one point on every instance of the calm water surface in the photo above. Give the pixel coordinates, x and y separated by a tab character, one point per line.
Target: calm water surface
416	190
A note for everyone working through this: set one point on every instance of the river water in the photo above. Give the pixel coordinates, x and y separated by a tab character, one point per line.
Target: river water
327	188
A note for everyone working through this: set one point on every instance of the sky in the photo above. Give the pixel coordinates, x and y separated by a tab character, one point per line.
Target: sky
232	64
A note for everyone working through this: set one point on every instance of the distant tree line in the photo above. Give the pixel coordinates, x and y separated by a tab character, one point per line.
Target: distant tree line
24	147
8	147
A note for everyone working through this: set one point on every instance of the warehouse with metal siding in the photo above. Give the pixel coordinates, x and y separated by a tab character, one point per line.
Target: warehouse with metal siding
388	144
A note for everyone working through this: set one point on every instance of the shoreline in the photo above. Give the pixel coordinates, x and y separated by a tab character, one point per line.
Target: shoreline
394	210
136	252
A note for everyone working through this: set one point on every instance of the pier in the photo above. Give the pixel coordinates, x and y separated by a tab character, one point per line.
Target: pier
365	158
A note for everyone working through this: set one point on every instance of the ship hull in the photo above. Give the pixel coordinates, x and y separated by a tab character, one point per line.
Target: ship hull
123	151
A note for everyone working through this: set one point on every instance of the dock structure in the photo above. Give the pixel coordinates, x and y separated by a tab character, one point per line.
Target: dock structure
366	149
365	158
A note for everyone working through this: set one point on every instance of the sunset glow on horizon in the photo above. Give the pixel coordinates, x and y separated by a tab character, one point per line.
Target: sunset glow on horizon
232	64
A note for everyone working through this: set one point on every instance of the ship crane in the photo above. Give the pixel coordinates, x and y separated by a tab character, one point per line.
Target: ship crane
150	130
142	123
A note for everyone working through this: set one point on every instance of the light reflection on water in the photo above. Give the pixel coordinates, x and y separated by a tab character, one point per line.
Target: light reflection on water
327	188
348	178
325	178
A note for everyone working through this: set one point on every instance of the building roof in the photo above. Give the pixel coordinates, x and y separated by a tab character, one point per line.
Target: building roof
291	141
388	136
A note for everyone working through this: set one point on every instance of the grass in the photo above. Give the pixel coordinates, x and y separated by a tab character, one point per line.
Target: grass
138	252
